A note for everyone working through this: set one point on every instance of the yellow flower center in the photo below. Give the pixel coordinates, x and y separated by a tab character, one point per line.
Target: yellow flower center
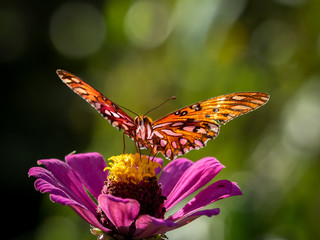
133	176
131	168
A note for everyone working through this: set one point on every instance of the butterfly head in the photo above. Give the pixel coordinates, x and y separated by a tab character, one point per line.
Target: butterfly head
142	120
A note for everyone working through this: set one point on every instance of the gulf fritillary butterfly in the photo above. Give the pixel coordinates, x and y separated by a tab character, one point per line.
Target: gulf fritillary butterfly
175	133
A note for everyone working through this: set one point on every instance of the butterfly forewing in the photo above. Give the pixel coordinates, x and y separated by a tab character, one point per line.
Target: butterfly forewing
110	111
192	126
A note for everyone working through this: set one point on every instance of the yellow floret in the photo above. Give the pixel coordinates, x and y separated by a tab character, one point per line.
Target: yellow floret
131	168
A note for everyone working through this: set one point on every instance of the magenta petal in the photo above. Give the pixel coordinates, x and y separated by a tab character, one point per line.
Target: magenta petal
43	184
120	211
89	167
147	226
195	177
216	191
68	181
60	189
172	173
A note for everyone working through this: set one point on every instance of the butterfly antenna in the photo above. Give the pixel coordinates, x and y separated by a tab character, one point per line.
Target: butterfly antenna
128	109
173	97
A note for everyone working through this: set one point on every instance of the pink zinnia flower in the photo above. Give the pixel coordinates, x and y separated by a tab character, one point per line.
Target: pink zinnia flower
128	200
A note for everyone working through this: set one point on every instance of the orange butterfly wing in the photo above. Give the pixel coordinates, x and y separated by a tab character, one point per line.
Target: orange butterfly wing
110	111
178	132
192	126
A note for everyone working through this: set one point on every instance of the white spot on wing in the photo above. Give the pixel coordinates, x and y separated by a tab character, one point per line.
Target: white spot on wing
202	131
174	144
107	112
115	124
75	80
257	101
163	142
183	141
158	134
130	124
238	98
171	133
240	107
188	128
97	105
198	143
80	90
66	80
115	115
161	125
168	153
177	124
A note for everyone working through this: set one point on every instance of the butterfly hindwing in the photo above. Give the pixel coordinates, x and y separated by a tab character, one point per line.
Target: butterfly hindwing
110	111
178	138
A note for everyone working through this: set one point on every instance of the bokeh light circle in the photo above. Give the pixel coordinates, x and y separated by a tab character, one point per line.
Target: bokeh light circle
148	23
77	30
275	42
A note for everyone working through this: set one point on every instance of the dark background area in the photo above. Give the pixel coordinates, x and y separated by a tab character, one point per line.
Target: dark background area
139	53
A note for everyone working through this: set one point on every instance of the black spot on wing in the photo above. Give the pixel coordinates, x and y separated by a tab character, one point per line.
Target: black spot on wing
196	129
183	113
190	120
196	107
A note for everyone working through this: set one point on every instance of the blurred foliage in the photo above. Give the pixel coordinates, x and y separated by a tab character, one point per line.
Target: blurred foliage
139	53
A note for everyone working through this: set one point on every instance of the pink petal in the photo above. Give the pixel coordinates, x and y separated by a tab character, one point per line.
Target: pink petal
89	168
147	226
120	211
172	173
216	191
65	187
195	177
59	179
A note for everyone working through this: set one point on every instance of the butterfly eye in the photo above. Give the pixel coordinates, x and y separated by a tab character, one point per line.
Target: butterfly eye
136	120
147	119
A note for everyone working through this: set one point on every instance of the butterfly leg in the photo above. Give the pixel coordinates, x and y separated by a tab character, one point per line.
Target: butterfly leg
138	150
124	143
154	151
149	156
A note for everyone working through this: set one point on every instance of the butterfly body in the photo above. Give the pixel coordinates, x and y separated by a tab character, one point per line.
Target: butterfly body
175	133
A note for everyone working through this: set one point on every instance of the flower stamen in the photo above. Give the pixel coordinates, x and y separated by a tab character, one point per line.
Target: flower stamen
131	168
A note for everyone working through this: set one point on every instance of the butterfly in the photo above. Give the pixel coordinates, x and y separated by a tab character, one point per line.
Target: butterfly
178	132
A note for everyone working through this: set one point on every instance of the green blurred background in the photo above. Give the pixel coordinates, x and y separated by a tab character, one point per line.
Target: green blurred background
139	53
